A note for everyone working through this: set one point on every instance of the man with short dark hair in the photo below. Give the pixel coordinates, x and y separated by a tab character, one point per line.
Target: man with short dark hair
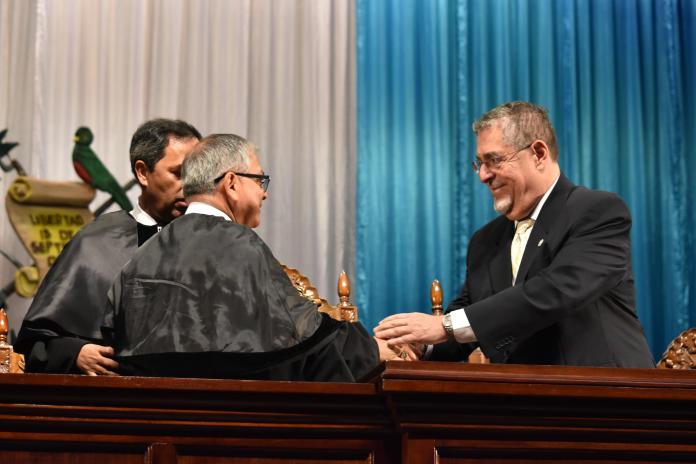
61	331
206	297
550	280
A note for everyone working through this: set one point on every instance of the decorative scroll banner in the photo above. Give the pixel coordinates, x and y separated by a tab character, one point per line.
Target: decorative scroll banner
45	215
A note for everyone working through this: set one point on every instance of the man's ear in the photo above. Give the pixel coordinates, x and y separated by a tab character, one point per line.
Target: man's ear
141	172
540	151
230	184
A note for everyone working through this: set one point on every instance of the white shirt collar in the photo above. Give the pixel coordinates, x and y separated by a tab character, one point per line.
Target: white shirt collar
198	207
142	217
537	209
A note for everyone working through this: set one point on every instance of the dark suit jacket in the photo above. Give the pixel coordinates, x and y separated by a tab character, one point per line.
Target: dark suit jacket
574	299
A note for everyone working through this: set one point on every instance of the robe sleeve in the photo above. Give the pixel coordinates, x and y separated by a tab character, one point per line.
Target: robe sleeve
55	355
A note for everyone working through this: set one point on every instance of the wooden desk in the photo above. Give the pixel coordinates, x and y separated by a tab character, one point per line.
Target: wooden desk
491	413
421	412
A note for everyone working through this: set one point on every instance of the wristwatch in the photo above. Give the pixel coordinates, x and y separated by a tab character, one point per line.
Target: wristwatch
447	324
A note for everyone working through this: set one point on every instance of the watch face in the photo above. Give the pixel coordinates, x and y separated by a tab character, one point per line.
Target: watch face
447	322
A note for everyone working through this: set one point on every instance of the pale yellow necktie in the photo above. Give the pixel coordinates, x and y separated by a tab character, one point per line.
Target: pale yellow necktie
518	244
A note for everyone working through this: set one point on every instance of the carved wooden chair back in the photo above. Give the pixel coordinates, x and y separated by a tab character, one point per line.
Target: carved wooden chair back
10	362
681	353
343	311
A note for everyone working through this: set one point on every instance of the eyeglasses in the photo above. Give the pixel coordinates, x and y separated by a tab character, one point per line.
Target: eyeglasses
494	162
261	179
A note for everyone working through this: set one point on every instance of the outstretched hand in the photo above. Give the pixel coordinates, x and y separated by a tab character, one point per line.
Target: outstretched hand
96	360
411	328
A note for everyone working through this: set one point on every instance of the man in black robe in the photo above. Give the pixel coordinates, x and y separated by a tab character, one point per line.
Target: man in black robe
206	297
61	331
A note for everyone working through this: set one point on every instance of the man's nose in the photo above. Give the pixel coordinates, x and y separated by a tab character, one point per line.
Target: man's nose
485	174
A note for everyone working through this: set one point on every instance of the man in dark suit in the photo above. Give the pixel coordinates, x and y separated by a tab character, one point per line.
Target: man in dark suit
550	280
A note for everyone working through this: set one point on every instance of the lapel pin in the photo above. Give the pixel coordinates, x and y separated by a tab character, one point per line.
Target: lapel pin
540	242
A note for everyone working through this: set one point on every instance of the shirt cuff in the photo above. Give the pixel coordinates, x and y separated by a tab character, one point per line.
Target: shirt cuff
463	332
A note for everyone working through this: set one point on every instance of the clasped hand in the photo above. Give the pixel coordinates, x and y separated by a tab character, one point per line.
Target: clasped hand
96	360
398	352
411	329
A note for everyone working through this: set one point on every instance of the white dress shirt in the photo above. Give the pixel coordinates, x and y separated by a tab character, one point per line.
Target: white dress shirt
198	207
142	217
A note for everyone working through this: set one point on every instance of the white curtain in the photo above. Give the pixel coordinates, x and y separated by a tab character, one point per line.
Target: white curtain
280	72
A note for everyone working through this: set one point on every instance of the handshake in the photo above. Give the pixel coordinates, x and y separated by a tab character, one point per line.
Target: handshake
404	336
399	352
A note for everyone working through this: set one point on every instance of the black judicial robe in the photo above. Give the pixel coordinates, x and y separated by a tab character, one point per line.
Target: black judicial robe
68	308
206	298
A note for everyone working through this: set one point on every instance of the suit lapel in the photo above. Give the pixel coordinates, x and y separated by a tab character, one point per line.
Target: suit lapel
551	210
500	266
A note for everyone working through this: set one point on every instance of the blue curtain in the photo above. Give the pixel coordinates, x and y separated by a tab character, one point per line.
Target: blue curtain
619	80
407	142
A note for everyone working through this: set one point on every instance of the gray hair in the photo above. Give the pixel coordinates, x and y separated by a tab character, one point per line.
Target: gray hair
521	124
211	158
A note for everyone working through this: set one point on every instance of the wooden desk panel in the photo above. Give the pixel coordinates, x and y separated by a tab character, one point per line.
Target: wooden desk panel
487	413
114	420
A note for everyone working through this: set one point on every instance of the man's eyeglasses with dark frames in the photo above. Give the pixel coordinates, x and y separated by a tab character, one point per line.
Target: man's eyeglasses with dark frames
262	179
494	162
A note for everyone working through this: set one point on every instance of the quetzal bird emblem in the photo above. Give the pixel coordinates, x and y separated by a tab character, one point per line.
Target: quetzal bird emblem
93	172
